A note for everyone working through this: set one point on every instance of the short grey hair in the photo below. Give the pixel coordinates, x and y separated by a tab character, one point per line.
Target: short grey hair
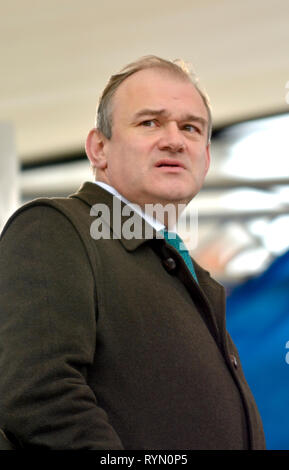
178	67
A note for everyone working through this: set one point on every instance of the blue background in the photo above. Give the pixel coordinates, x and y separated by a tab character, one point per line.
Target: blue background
258	321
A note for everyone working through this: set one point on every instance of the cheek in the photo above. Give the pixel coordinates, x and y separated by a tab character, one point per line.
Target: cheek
204	160
199	166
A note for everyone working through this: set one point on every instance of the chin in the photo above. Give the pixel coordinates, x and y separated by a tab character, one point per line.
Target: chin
174	197
179	194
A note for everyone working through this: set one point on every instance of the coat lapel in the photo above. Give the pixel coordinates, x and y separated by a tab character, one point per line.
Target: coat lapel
119	214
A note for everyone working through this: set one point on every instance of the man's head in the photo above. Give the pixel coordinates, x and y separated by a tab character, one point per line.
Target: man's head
177	67
153	131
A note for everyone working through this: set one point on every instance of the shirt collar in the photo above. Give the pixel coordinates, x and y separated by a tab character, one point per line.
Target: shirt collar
150	220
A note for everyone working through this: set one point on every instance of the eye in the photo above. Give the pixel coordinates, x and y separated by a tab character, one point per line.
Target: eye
191	128
148	123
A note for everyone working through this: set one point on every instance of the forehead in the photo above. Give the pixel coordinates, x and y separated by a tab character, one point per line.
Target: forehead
157	88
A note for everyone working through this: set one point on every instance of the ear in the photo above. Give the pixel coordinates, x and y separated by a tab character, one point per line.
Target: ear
94	147
208	157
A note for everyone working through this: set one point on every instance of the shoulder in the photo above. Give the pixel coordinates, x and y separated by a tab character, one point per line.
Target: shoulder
50	227
42	232
75	208
43	212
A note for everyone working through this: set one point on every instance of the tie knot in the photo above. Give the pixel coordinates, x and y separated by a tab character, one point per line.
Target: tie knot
175	240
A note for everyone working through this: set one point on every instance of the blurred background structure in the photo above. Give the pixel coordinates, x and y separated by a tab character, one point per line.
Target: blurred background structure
55	59
9	189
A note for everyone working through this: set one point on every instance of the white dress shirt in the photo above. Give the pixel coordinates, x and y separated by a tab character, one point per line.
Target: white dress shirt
150	220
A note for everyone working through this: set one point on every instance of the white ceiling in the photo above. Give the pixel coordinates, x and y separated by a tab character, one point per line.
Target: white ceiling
56	56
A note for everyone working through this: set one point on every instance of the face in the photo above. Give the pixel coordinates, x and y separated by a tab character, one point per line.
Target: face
158	152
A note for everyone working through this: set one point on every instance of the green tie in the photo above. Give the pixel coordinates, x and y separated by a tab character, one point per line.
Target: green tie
174	240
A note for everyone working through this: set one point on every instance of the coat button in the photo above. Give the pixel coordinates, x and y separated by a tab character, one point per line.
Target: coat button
234	361
169	264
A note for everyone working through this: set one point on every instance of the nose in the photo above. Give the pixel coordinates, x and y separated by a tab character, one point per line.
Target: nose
171	139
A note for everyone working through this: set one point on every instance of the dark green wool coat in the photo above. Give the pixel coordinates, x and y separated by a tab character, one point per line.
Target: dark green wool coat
110	343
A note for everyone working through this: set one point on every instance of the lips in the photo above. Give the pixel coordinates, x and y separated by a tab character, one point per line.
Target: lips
169	163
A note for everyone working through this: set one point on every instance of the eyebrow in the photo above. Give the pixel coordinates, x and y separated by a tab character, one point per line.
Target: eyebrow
163	112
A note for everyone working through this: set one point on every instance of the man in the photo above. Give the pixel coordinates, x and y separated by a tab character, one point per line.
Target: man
114	342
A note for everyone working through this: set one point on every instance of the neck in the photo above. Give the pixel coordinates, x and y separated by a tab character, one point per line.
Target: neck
167	214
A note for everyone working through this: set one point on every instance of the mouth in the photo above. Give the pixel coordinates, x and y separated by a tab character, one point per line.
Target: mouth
168	163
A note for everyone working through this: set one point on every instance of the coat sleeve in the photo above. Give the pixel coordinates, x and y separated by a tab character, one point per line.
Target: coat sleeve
48	335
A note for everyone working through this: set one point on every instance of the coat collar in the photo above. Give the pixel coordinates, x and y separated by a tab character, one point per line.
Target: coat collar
119	212
92	195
